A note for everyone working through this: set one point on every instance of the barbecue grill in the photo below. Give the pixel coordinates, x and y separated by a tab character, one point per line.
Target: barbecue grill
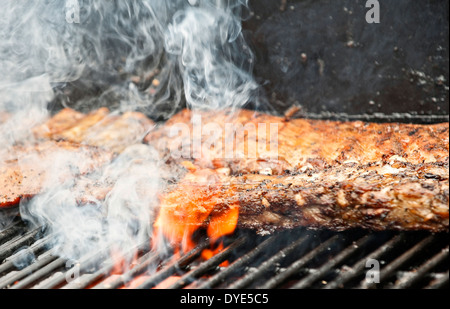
292	259
296	259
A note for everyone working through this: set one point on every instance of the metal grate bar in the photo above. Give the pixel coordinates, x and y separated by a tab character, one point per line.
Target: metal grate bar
422	270
143	265
376	117
294	267
100	274
332	263
207	265
60	278
10	247
172	267
34	249
89	279
439	283
10	232
238	264
394	265
56	280
359	266
268	265
417	262
14	277
40	273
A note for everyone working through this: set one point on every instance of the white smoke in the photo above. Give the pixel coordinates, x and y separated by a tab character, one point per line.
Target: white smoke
215	60
84	222
151	56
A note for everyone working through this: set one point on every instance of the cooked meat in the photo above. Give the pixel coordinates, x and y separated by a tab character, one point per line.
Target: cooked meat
397	196
302	143
41	165
68	145
326	174
99	128
323	174
64	120
119	132
76	133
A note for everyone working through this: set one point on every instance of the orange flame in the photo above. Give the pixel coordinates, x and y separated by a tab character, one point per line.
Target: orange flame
224	223
197	203
209	253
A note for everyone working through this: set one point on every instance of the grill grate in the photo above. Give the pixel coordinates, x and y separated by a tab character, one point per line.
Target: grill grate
297	259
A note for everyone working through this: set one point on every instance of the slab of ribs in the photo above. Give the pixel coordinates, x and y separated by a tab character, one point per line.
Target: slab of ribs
324	174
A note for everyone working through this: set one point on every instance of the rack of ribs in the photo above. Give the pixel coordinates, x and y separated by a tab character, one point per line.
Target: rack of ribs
325	174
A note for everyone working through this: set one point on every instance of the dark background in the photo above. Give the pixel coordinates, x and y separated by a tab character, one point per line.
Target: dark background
397	70
400	65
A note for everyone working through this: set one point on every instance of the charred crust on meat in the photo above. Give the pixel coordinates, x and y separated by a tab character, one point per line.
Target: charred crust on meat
413	132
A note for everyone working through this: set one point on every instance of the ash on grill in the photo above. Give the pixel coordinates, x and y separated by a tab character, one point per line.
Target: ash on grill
297	259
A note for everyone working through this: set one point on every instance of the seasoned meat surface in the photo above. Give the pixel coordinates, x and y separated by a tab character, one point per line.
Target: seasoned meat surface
39	166
76	132
326	174
99	128
301	142
63	120
396	196
68	145
119	132
321	174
